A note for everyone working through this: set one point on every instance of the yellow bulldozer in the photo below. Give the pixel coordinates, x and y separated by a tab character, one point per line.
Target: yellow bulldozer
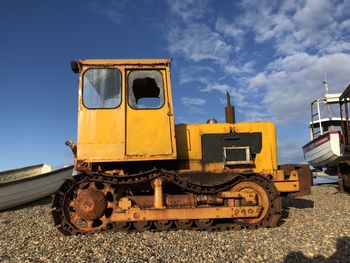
138	170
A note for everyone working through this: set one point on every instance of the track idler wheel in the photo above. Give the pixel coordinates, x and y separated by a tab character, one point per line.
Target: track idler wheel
89	206
267	197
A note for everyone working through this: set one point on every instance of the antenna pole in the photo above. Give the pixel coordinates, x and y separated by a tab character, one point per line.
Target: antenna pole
325	83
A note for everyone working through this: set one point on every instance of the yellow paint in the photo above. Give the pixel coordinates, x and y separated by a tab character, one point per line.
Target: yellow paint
189	144
135	63
123	133
287	186
158	193
149	131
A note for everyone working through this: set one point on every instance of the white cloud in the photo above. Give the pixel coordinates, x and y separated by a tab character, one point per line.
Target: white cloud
292	63
231	31
345	25
313	14
228	29
198	42
308	40
189	9
257	81
294	26
239	69
291	83
338	47
193	105
192	101
202	74
223	88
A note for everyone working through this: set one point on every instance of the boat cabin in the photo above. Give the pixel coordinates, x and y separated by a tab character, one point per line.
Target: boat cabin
325	115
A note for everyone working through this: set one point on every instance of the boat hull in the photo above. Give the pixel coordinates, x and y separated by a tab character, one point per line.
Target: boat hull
14	193
324	151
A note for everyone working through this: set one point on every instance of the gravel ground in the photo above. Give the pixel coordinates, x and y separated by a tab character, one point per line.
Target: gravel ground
315	228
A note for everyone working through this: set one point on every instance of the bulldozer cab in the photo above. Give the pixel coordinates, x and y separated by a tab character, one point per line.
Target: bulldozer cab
125	110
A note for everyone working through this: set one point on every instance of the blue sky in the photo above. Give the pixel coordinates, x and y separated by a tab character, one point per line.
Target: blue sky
270	55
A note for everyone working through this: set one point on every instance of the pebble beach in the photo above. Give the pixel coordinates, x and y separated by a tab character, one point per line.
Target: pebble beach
314	228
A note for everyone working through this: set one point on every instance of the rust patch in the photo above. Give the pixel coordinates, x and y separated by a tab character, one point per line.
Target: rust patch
305	177
90	204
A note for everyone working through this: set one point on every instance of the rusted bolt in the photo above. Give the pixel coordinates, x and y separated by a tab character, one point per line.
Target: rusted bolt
136	215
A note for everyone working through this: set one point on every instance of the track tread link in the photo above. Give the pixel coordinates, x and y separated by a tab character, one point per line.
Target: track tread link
60	198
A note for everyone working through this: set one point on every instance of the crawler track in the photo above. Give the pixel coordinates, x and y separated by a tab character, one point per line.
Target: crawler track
115	187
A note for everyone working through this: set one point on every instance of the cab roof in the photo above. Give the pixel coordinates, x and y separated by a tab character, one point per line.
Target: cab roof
159	61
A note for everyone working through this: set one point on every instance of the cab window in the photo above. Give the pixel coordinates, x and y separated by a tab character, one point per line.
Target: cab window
101	88
145	89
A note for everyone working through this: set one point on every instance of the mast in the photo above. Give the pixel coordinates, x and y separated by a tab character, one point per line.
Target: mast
325	84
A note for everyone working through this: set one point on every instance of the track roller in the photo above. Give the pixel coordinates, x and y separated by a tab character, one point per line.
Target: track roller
204	223
163	225
142	225
183	224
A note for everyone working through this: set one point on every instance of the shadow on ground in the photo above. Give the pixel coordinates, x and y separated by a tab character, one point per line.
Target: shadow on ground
299	203
341	255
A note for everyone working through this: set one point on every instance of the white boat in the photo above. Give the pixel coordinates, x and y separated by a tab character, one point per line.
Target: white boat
325	151
21	186
326	148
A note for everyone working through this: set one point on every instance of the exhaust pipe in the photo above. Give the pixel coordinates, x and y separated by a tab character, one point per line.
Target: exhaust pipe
229	110
73	147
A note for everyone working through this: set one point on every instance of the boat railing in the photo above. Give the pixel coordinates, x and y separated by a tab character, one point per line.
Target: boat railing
323	115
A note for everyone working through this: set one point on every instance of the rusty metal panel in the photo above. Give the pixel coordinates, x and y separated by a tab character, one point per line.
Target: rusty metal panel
136	214
305	178
344	176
